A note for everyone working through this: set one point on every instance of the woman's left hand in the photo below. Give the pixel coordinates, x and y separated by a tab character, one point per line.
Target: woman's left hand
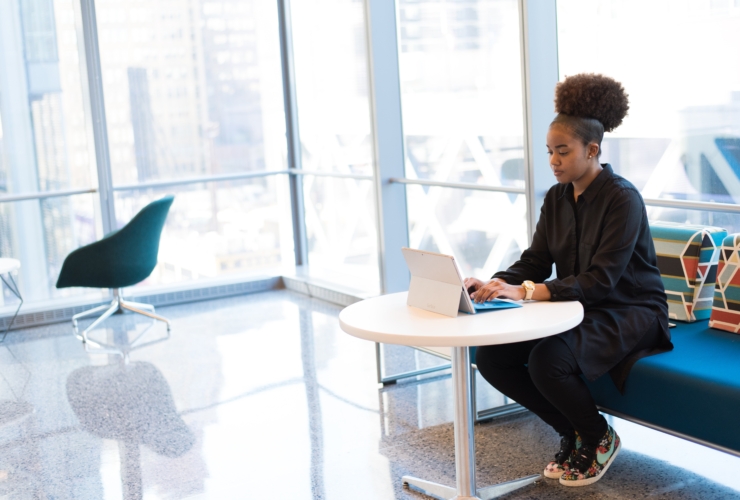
498	290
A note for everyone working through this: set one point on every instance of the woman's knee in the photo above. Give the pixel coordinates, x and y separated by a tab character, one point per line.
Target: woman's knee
498	361
550	361
488	355
493	358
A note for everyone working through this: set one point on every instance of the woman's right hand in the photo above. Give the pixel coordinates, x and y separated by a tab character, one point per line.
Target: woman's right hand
473	285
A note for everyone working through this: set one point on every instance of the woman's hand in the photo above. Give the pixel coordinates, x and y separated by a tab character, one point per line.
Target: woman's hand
472	285
496	288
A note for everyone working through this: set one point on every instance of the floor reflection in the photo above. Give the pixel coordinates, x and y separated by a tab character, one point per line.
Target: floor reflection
315	424
263	396
10	411
131	403
15	377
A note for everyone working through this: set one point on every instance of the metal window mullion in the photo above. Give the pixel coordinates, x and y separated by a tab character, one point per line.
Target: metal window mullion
693	205
460	185
97	108
198	180
46	194
292	133
528	143
237	177
388	141
334	175
540	74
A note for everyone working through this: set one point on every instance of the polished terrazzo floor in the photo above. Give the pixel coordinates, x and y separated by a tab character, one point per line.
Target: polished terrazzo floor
263	396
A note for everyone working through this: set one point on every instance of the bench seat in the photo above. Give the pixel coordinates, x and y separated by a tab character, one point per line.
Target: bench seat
692	391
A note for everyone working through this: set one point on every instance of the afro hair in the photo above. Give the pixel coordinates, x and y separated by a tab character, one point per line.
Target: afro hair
589	95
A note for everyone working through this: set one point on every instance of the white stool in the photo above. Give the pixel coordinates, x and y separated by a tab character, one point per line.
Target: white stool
7	268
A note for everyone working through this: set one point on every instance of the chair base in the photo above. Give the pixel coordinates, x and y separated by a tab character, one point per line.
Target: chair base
117	305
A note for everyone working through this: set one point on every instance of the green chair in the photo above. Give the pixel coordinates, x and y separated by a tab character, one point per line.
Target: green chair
122	258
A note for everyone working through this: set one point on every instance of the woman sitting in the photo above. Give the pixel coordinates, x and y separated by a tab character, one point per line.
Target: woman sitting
594	228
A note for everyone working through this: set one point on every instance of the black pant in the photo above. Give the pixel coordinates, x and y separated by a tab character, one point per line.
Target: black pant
543	376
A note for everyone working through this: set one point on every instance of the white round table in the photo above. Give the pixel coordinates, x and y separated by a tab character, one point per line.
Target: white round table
7	268
389	320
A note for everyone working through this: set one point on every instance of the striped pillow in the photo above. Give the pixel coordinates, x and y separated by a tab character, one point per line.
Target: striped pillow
687	259
726	306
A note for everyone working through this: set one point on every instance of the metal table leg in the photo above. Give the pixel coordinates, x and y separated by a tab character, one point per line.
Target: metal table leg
464	445
17	293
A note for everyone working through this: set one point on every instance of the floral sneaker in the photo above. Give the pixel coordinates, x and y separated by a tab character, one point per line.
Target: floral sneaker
561	464
589	463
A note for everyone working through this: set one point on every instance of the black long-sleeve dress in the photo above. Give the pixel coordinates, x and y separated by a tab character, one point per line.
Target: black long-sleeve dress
604	258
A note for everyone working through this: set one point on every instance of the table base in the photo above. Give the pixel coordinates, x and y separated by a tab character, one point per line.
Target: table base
442	492
465	445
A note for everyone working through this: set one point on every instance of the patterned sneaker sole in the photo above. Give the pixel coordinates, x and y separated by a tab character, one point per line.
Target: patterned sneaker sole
592	480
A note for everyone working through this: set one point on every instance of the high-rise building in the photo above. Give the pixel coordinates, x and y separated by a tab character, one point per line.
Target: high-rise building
150	59
232	79
142	122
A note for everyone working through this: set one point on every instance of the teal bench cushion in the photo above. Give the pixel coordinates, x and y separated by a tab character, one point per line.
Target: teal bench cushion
693	390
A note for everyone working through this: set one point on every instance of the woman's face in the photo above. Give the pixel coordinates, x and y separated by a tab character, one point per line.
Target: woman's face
569	158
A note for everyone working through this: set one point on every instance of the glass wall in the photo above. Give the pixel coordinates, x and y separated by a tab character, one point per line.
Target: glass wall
463	123
217	229
331	69
45	145
681	139
193	90
194	106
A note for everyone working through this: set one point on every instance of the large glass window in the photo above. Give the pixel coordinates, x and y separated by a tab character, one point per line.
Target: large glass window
682	136
190	88
331	67
45	145
466	223
193	90
462	119
216	228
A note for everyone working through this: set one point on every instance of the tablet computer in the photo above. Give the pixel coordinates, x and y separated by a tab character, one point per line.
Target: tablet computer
437	285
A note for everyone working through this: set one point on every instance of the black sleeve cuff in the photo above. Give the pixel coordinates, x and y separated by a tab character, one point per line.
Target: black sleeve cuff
509	278
560	292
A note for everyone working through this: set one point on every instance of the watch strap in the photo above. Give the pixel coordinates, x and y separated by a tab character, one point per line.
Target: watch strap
528	289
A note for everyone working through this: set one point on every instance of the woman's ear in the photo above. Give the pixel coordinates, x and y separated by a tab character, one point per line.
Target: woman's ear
592	150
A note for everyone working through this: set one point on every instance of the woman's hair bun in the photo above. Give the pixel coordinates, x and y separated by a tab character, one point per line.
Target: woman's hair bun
589	95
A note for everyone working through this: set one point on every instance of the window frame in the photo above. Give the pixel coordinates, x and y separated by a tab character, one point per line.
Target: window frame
540	73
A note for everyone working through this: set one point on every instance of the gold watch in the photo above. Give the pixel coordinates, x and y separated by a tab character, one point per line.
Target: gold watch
528	289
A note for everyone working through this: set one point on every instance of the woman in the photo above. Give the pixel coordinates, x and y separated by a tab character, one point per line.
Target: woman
594	228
